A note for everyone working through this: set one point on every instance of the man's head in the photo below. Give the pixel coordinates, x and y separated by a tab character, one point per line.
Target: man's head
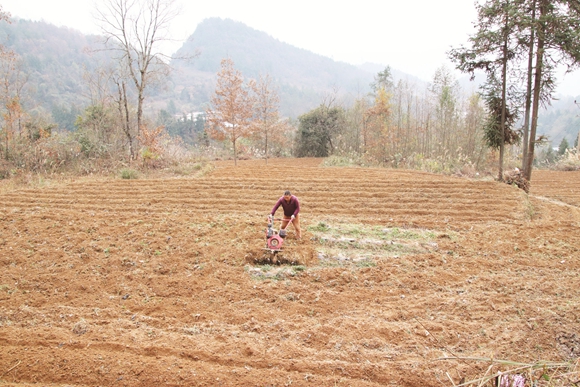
287	195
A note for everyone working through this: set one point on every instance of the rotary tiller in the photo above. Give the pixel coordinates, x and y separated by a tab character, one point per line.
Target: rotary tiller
275	238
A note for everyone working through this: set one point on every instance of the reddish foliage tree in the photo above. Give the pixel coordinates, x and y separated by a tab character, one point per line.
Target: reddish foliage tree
230	114
377	134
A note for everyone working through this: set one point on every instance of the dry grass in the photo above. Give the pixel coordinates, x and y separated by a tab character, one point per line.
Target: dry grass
505	373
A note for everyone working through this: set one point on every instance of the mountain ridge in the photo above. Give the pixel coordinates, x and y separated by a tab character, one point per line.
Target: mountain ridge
301	77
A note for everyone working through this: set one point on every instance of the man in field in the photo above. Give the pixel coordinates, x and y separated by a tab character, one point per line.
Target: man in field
291	207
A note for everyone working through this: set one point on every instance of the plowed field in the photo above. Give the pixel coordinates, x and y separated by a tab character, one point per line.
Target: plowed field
157	282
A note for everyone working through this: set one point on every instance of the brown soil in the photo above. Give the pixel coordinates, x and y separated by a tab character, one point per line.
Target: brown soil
161	281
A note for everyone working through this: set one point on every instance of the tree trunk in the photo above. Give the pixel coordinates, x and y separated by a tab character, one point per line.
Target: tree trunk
503	99
537	89
128	124
266	146
234	138
140	100
140	111
529	92
124	113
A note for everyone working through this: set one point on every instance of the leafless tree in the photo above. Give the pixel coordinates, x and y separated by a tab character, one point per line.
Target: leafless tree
135	29
267	118
12	83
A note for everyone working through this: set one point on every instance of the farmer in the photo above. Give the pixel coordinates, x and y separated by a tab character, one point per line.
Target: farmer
291	207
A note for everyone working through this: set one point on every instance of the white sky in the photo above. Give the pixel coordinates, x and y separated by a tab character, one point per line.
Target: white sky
409	35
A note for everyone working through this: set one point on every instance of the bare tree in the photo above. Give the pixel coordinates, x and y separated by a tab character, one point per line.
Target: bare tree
267	118
230	114
445	93
135	28
12	82
123	106
4	16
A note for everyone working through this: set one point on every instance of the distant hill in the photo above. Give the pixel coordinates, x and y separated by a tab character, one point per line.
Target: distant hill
561	120
302	77
54	61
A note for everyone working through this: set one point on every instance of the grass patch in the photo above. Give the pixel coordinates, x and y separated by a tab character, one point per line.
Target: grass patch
275	272
352	160
321	226
361	245
198	168
365	263
187	169
398	233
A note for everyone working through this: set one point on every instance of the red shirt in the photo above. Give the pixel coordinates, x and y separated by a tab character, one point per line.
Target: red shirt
291	207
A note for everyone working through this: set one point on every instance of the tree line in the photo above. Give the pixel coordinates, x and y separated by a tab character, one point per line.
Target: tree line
247	110
113	126
518	44
399	124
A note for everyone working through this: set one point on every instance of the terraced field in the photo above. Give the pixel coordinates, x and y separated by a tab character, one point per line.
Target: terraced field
399	277
556	185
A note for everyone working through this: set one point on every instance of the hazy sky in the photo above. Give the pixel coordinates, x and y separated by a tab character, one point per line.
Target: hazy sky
410	35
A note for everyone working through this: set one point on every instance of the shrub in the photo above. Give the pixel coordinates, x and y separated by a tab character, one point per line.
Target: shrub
127	173
569	162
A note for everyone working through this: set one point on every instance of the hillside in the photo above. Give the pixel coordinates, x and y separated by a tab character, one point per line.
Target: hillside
53	64
561	120
303	77
56	61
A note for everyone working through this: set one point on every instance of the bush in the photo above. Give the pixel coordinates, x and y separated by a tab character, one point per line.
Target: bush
127	173
569	162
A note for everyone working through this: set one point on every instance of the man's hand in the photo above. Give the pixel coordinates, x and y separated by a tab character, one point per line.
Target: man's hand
292	217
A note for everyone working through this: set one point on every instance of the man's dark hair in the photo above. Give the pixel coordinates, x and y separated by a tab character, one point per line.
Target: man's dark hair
287	193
